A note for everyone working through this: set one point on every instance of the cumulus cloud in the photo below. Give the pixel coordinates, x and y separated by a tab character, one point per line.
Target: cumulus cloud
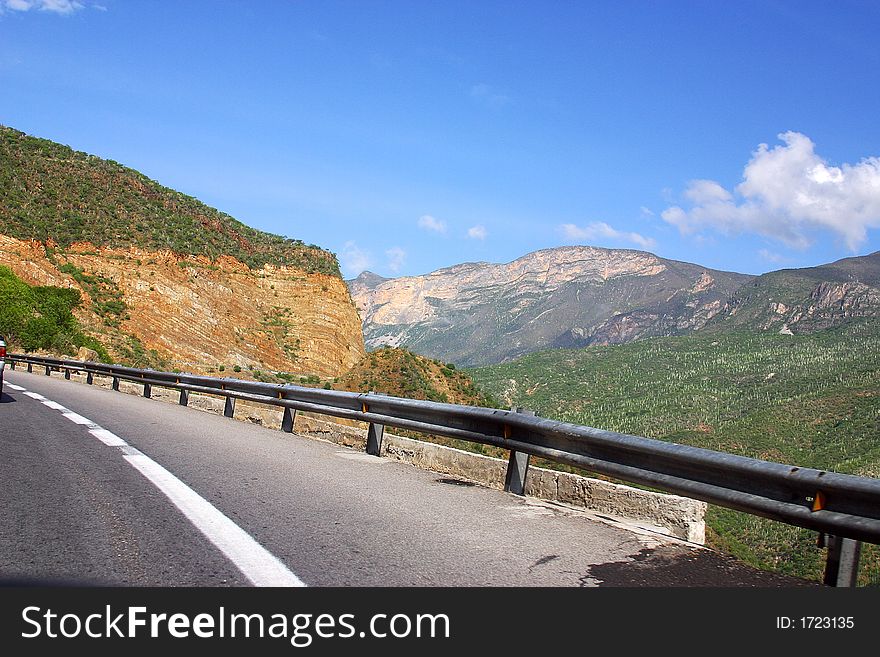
396	258
599	229
353	259
55	6
477	232
786	192
432	224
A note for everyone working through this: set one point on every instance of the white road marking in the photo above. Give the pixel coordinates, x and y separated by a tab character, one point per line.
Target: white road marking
76	417
256	563
14	387
108	438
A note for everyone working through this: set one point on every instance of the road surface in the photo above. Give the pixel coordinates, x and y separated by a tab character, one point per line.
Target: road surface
103	488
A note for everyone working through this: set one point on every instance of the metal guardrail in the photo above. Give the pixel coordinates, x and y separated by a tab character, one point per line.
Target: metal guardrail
845	507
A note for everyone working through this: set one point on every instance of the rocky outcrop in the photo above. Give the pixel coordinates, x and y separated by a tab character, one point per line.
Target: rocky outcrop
199	313
792	301
481	313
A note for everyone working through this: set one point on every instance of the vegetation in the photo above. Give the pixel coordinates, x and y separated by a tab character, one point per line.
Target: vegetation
107	301
41	318
53	194
807	400
401	373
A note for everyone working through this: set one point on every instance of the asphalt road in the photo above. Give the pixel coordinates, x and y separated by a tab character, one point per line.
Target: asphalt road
103	488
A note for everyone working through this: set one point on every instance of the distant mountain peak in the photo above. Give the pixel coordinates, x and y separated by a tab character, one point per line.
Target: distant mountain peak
478	313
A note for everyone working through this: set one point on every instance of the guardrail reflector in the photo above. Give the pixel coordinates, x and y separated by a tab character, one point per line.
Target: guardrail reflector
508	432
819	501
365	408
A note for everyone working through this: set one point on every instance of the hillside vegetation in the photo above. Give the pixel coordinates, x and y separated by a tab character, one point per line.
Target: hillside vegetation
53	194
41	317
809	400
401	373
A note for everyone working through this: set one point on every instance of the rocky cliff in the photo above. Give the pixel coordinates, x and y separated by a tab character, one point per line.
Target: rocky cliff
480	313
805	300
197	312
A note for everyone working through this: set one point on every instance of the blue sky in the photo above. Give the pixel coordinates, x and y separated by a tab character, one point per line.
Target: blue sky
406	136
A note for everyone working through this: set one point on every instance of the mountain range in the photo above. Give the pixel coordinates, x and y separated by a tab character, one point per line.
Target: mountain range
481	313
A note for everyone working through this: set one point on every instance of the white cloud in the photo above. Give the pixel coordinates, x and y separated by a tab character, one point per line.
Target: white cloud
55	6
787	191
428	222
599	229
396	257
477	232
646	212
353	259
489	96
771	256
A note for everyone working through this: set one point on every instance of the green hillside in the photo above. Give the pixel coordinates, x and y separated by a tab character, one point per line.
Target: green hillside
41	317
51	192
810	400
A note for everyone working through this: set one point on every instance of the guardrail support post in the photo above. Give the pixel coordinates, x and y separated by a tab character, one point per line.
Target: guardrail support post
229	408
148	390
517	467
842	565
12	364
89	378
375	433
67	374
288	419
30	367
184	398
115	383
47	370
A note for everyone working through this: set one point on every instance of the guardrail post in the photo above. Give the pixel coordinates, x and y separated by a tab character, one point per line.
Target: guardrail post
47	370
842	565
375	433
89	378
12	364
517	466
184	398
229	407
30	367
67	374
115	383
148	390
288	419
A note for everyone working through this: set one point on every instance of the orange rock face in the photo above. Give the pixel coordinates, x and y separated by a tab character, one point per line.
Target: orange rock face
197	313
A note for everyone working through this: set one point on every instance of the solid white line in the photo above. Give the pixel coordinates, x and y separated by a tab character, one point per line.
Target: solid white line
76	417
255	562
108	438
15	387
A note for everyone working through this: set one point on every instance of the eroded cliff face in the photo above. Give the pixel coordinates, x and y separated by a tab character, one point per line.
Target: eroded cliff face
480	313
197	313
